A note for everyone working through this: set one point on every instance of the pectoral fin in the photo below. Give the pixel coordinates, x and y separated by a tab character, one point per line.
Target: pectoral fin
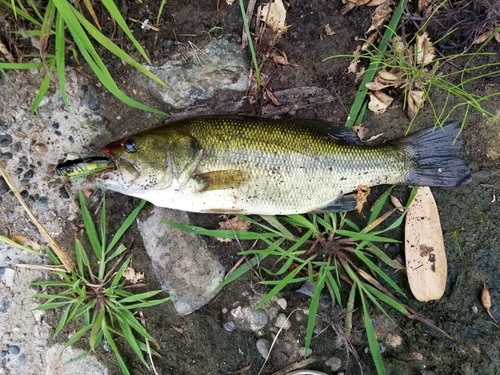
341	204
220	180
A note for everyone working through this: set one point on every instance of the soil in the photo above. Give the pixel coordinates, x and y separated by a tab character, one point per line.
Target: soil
197	344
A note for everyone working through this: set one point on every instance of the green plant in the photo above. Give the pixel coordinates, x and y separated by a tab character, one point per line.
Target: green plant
100	299
330	251
49	25
401	59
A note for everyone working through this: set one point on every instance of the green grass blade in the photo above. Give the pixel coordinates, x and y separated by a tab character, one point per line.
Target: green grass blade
240	271
90	228
129	336
250	43
147	304
379	205
113	48
113	346
126	224
10	242
42	90
140	296
232	234
313	308
115	13
334	288
118	275
62	321
77	336
370	237
18	11
283	283
385	298
97	326
372	338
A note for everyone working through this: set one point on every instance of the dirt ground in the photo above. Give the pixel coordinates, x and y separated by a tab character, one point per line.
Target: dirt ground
198	344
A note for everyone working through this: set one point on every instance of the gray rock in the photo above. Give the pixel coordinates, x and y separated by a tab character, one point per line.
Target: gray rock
221	65
334	363
181	260
250	319
263	347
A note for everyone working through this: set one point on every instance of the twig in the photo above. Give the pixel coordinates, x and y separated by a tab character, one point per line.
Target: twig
244	36
58	250
6	52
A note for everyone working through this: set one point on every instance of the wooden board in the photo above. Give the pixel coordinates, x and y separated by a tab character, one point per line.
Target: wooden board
425	254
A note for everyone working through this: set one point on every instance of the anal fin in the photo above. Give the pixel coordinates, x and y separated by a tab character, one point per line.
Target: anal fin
340	204
220	180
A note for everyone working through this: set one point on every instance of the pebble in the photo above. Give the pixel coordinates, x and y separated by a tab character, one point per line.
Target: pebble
90	97
40	149
393	340
253	319
63	193
7	155
282	322
282	303
5	140
302	351
334	363
55	125
14	349
229	326
28	174
263	347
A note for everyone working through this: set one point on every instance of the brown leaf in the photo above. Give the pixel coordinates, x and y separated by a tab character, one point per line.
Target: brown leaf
374	3
381	14
379	102
132	276
415	102
376	86
397	203
362	192
274	15
425	50
486	302
328	30
361	131
25	241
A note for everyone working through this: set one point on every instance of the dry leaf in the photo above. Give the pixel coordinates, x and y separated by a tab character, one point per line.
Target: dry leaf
486	302
425	50
389	77
361	131
362	192
328	30
374	3
134	277
25	241
274	15
397	203
230	2
497	37
381	14
234	223
426	265
415	102
273	99
482	38
369	42
376	86
379	102
353	66
281	58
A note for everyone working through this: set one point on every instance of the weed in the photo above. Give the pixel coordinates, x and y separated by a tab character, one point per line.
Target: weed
59	16
400	59
330	251
101	299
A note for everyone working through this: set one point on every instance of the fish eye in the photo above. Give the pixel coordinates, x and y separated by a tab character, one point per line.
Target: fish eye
130	146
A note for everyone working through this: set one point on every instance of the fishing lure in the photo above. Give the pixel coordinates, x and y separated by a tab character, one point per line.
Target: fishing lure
83	167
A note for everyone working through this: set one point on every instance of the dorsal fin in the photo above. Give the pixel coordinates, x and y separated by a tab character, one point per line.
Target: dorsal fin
337	132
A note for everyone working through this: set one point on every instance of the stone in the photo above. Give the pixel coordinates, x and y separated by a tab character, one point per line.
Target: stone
181	260
222	65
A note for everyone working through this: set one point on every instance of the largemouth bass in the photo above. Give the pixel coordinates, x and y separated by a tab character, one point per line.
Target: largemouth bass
259	166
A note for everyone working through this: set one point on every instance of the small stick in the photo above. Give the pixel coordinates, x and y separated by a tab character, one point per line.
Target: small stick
58	250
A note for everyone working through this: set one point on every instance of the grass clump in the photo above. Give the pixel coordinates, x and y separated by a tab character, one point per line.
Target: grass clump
101	299
50	26
331	253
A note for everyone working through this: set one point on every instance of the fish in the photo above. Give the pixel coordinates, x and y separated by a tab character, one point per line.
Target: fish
83	167
247	165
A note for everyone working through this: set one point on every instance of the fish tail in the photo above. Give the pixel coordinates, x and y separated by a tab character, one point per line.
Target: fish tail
436	157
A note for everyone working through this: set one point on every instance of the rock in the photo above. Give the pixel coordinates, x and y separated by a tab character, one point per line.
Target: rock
5	140
181	260
282	322
249	318
221	65
334	363
59	362
263	347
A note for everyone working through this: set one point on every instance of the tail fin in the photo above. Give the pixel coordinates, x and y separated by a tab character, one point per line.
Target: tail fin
436	158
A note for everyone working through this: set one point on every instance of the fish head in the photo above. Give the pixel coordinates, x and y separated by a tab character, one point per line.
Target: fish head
141	163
